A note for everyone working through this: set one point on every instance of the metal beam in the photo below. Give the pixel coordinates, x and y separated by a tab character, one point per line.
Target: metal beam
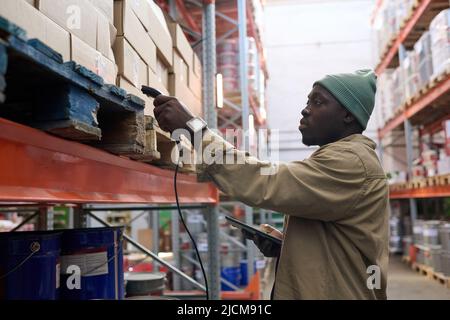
146	208
225	281
232	105
227	34
24	222
152	255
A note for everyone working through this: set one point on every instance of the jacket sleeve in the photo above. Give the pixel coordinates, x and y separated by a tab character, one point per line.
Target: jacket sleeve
324	187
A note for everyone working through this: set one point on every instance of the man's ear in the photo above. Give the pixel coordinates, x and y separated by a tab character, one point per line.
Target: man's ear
349	118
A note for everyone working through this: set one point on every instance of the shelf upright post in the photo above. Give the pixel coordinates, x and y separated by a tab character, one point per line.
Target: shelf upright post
43	219
409	145
243	56
176	247
155	237
80	217
209	108
409	158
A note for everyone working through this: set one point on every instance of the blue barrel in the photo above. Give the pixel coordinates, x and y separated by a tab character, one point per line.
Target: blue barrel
232	275
29	265
96	255
244	272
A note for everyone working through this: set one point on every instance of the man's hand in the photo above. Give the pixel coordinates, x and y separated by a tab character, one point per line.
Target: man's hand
267	247
171	114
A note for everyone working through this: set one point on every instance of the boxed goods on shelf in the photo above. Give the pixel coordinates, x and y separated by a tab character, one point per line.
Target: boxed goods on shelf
410	67
440	42
184	79
37	25
385	97
85	39
398	88
422	49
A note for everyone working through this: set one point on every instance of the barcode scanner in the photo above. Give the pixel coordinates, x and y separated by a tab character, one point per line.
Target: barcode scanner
150	92
153	93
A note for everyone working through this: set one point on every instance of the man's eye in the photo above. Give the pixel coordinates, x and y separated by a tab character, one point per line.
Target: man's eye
317	101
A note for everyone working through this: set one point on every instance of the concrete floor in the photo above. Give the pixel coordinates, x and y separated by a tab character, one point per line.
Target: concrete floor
406	284
403	284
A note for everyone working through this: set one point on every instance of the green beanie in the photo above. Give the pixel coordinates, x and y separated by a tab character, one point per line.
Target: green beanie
355	91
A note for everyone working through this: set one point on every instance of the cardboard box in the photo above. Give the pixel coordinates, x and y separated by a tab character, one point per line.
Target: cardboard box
162	73
130	64
57	38
37	25
160	34
197	66
90	58
106	7
104	30
125	84
181	43
145	237
152	19
180	68
129	26
181	91
195	83
156	82
79	17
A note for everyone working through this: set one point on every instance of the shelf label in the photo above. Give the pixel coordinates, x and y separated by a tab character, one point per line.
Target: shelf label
90	264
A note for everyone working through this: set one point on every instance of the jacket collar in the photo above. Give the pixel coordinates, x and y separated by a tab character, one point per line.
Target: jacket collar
355	138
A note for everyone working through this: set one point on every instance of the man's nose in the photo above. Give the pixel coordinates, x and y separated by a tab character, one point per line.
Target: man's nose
306	112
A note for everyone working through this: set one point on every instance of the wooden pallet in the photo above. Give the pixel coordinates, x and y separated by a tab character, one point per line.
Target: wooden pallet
423	269
406	259
66	99
442	279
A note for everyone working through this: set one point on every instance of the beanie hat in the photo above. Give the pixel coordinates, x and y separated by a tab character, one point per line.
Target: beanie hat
355	91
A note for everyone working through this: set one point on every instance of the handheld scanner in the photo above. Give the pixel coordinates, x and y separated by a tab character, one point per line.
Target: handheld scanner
150	92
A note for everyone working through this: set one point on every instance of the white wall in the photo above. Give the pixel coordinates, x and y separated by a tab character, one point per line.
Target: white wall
306	40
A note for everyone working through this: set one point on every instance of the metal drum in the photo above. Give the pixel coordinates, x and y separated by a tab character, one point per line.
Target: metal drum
97	254
444	236
139	284
431	232
29	265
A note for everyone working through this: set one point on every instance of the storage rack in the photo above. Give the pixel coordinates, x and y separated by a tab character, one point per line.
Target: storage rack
426	110
422	114
27	149
222	19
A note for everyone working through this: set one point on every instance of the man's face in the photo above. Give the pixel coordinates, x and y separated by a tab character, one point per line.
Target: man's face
323	118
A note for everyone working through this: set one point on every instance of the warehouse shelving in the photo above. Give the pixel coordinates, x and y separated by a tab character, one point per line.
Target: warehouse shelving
39	170
207	24
425	109
414	24
37	167
415	122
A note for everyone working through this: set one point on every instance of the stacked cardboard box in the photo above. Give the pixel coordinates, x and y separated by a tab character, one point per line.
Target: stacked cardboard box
75	28
440	42
143	48
185	78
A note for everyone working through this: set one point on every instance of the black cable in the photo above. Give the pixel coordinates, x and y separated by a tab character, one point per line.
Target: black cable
184	224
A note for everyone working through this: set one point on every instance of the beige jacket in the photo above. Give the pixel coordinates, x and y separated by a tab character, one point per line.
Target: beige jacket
336	204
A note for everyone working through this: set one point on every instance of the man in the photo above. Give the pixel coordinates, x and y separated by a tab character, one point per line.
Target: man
335	239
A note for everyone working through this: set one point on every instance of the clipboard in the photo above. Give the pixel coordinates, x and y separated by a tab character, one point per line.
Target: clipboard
252	230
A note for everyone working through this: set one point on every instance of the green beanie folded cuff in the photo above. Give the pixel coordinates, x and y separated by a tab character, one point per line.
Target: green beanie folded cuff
355	91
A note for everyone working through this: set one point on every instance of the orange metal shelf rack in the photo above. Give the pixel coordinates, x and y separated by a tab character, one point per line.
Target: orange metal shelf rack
427	192
437	96
38	167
